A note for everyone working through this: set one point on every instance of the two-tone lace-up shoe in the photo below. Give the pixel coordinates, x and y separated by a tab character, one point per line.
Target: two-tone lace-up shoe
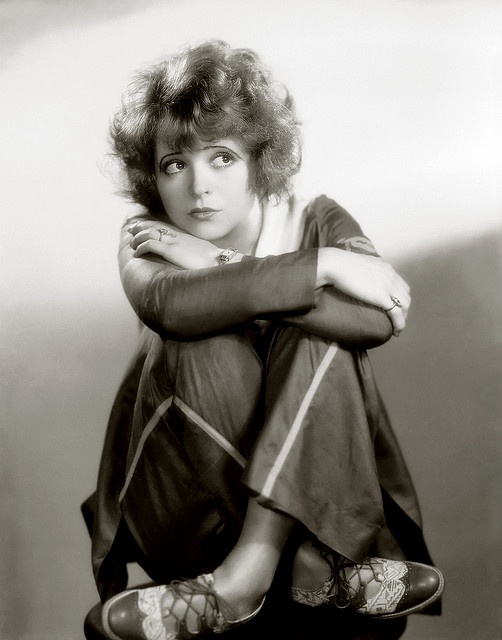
169	612
378	587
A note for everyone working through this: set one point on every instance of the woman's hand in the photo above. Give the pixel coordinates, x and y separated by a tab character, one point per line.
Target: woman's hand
368	279
171	244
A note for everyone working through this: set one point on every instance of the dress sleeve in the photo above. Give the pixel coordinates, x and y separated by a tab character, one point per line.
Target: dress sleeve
187	304
335	315
345	320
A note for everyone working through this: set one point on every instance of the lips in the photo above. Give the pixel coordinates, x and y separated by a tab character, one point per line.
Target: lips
204	213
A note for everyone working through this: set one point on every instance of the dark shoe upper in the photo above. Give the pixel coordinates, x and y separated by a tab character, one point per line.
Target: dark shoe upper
424	586
125	618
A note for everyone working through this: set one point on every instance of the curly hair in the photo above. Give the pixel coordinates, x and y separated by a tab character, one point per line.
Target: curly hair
209	91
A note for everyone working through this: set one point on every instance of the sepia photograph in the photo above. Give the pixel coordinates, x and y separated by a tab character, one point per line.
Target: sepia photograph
251	319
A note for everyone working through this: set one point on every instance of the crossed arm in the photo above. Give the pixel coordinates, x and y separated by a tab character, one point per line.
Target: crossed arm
177	289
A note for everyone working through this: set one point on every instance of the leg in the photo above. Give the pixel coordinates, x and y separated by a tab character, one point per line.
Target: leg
193	424
235	587
232	594
246	574
316	460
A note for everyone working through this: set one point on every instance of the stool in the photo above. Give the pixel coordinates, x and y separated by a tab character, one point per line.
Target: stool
279	620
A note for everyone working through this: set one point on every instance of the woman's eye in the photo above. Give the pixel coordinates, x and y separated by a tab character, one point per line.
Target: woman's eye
172	167
223	160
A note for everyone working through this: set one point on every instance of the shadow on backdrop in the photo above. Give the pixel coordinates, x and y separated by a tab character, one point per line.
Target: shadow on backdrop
442	381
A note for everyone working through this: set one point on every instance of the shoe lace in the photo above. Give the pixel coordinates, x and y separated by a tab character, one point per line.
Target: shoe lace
203	612
346	591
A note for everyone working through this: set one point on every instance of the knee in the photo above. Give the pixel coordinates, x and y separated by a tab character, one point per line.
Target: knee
228	361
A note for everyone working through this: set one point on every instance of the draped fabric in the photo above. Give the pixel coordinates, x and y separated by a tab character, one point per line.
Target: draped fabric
282	405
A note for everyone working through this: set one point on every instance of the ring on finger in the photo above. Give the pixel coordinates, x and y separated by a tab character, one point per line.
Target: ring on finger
164	232
395	303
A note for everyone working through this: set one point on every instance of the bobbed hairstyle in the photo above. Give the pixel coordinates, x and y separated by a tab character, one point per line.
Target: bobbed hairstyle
206	92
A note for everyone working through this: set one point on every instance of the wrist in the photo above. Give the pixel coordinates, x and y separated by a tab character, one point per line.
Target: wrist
325	263
225	256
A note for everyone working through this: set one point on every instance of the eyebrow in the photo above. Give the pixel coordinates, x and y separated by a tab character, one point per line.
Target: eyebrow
209	146
171	153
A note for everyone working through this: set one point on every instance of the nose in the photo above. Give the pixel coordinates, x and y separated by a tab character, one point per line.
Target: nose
200	184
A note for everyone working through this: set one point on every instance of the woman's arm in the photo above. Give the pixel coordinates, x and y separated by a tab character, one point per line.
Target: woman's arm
175	303
191	303
345	320
350	311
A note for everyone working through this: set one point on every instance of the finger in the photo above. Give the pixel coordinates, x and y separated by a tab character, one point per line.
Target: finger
397	311
396	316
160	234
397	280
406	304
400	290
395	284
143	236
139	237
152	246
145	225
138	226
401	282
402	286
405	299
402	299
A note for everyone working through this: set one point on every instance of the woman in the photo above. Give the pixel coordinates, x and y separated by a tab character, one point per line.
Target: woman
257	431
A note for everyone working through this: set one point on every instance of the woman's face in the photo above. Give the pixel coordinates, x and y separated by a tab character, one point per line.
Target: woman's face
205	190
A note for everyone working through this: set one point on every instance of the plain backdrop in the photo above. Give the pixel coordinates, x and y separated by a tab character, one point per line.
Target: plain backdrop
401	102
